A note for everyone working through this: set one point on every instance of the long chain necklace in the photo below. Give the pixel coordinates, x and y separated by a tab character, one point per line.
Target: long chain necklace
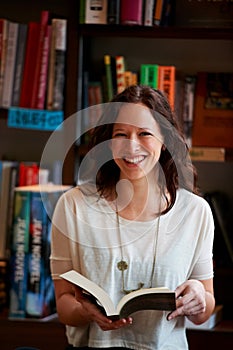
122	265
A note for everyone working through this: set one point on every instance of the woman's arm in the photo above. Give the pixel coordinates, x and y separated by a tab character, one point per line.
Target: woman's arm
195	299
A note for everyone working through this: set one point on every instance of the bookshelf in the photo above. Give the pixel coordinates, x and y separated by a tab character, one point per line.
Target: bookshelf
190	49
28	145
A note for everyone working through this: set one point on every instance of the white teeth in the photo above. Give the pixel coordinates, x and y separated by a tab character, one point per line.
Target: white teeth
134	160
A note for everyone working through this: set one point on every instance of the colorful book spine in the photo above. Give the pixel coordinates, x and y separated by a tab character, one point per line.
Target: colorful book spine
6	184
208	154
148	13
56	75
32	292
120	70
40	101
108	75
20	57
11	52
4	24
149	75
188	108
113	12
131	12
29	65
19	256
166	83
158	9
36	262
96	12
28	174
44	17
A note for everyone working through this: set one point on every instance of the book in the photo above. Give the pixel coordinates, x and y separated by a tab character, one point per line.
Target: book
4	25
11	52
19	63
167	18
120	70
209	154
28	173
149	75
96	12
142	299
43	71
148	13
131	12
158	9
29	65
213	110
108	77
57	61
31	287
43	24
38	260
113	12
166	82
19	254
6	182
188	108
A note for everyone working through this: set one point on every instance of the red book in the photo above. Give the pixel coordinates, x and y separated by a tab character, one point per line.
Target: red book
44	17
43	77
166	82
131	12
29	65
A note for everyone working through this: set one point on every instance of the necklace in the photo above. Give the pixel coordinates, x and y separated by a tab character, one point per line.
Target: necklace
122	265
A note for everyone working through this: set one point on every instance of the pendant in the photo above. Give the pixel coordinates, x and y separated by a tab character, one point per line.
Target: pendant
122	265
140	286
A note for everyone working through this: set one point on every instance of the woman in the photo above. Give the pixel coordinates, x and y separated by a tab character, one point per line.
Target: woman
134	221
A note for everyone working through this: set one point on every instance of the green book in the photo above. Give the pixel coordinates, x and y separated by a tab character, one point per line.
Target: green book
108	76
149	75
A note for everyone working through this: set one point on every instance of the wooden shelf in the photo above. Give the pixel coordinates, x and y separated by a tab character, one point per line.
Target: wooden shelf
41	335
95	30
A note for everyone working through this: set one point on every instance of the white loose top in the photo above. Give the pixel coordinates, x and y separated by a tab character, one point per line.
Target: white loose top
85	237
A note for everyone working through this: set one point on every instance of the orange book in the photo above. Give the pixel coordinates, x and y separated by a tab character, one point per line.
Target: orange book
158	12
213	112
166	82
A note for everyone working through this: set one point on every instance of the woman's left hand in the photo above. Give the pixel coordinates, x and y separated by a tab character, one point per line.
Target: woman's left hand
191	299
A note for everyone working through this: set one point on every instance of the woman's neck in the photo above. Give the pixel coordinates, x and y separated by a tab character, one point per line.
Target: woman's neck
140	200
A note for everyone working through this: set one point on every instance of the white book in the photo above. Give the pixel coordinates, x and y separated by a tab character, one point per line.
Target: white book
148	12
160	298
96	12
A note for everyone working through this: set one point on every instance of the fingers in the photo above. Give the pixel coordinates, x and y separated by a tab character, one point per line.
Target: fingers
190	300
111	325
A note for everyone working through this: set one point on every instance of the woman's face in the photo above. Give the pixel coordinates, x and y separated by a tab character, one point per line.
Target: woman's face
136	141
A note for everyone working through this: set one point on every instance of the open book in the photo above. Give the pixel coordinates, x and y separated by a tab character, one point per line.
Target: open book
143	299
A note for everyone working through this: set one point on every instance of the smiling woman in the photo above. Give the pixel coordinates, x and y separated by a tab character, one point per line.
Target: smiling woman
134	221
135	147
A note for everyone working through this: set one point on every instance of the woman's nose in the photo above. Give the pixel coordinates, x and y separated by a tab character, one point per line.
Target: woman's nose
133	143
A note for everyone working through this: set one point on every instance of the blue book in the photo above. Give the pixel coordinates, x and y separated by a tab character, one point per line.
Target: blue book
36	263
19	254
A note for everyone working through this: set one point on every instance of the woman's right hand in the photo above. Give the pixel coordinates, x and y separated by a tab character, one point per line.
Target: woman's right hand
94	314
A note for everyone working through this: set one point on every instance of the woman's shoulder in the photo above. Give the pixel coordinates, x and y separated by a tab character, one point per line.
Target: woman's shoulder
191	199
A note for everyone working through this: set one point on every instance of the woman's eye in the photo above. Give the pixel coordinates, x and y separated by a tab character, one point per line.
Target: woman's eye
145	133
119	134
